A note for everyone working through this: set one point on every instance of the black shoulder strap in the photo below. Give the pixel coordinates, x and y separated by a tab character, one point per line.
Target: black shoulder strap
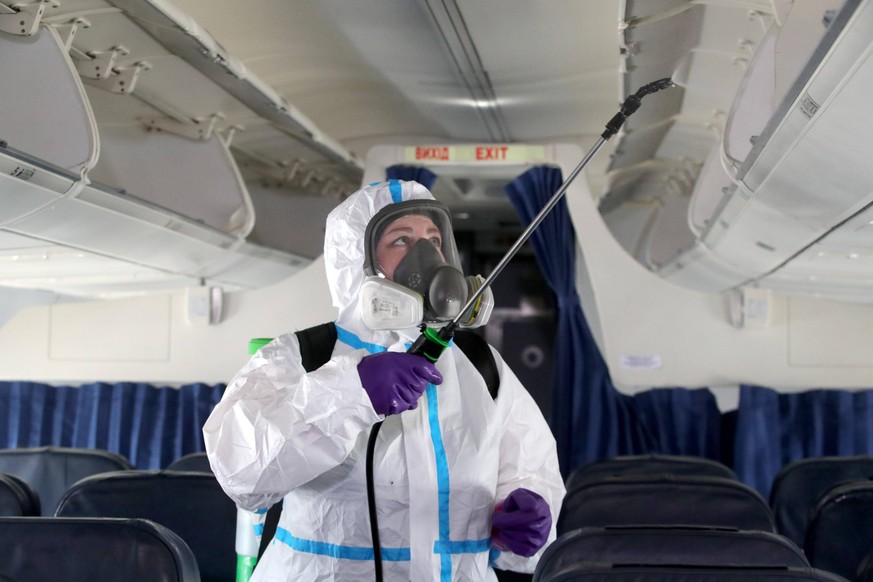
476	348
316	345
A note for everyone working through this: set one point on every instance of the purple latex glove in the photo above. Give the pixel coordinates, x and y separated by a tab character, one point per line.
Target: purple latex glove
395	381
521	524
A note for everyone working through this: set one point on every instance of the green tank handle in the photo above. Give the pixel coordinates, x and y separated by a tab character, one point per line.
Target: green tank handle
257	343
245	564
245	567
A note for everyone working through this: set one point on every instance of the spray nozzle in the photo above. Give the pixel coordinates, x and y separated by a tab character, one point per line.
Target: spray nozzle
682	70
654	87
632	103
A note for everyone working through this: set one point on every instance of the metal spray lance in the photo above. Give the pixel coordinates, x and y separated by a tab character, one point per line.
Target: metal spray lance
432	341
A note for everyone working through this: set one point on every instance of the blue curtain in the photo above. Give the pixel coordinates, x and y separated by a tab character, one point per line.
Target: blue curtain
418	173
774	429
680	421
591	420
151	426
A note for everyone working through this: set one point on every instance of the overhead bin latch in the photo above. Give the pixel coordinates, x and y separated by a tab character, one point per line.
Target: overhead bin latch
228	133
23	18
199	128
67	30
100	63
122	80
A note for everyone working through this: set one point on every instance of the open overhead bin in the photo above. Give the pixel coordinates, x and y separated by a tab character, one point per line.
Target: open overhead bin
780	193
113	179
794	194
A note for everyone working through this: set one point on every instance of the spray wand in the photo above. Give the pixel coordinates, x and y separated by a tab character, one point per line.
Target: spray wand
432	342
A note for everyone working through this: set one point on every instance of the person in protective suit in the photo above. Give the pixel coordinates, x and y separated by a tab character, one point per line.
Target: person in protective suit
463	482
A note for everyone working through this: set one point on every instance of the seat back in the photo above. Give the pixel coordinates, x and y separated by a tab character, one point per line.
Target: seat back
672	545
587	572
665	500
33	501
52	470
840	531
799	485
192	462
46	549
17	497
648	465
191	504
864	573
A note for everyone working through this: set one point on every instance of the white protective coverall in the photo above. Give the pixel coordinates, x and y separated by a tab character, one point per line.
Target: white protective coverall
439	470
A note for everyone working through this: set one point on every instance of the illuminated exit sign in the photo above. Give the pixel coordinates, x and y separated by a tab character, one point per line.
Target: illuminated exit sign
466	154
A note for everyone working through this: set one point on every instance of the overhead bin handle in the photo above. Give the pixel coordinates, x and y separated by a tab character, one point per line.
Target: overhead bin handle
25	19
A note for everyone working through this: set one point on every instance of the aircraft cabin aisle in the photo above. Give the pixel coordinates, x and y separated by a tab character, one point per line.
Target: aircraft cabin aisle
702	290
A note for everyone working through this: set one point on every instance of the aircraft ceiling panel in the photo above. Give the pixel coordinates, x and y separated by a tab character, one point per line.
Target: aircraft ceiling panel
392	61
15	242
554	67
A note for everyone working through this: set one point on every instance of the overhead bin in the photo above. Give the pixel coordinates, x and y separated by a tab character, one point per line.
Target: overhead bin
661	148
755	102
194	177
44	110
793	204
155	210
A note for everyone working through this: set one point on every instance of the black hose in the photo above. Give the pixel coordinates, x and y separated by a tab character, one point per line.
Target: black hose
371	502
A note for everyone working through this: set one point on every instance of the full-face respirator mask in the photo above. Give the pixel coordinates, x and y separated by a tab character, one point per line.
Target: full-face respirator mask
413	270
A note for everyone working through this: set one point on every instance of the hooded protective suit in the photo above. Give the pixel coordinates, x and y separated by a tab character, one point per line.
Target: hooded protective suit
439	469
